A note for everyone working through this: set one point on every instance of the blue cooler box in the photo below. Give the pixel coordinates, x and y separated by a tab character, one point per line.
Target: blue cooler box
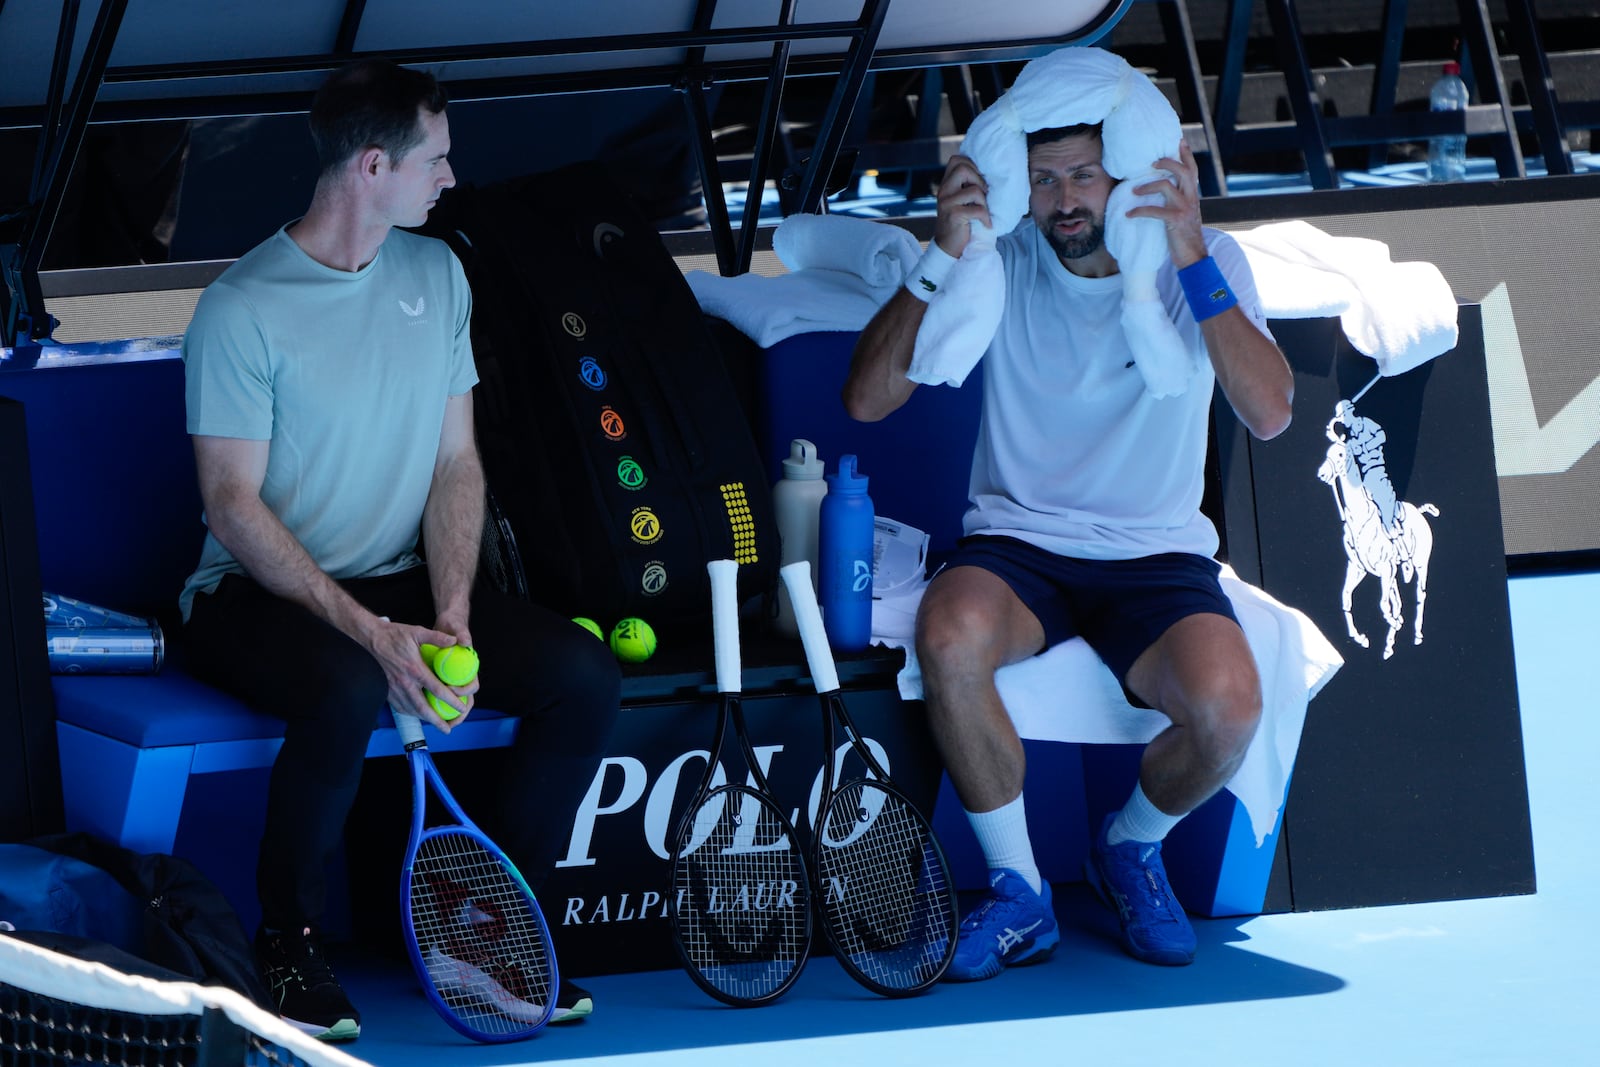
917	460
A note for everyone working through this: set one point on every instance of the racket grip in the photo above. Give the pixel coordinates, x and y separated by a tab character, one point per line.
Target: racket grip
819	657
725	622
409	727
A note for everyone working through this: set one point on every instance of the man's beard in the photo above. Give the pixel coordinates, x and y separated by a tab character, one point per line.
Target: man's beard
1085	243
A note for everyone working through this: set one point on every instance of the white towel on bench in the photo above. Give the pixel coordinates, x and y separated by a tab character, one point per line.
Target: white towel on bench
1067	694
841	271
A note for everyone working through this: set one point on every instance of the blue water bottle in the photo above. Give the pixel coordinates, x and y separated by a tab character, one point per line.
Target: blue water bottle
844	551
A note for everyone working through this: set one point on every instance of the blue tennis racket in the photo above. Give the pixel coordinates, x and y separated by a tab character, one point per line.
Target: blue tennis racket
474	930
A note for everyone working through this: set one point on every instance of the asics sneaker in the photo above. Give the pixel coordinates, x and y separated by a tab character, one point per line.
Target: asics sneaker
1131	878
573	1003
464	977
303	987
1012	926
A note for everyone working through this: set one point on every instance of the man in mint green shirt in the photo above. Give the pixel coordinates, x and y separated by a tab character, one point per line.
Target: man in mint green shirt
329	390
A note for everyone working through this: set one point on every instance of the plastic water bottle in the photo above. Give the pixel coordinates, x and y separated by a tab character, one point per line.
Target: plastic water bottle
844	582
797	500
1447	155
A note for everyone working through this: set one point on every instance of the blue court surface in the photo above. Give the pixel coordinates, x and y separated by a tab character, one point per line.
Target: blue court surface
1508	980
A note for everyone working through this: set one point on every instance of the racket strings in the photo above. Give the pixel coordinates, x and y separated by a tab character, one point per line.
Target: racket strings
741	896
486	951
885	891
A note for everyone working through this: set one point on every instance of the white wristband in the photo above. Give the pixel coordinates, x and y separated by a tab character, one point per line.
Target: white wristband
927	277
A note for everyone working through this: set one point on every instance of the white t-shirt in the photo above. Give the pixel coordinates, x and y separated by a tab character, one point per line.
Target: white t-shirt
346	374
1073	455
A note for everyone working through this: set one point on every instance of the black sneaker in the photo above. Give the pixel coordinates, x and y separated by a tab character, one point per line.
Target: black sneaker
303	987
573	1003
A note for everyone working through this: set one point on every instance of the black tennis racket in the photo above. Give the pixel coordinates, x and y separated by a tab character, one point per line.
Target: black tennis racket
474	930
882	884
498	557
740	901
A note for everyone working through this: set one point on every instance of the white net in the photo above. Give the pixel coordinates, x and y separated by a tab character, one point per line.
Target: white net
55	1009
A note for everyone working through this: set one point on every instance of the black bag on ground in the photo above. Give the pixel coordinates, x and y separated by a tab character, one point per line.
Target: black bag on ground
613	439
155	907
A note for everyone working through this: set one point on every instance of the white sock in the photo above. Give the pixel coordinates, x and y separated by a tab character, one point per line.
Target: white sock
1140	820
1003	837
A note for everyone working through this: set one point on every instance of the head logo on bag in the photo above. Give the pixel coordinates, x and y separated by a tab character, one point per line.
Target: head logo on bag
645	526
630	474
654	579
590	373
611	424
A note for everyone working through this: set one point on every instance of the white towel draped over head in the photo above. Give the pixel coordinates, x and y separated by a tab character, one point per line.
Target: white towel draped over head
1065	88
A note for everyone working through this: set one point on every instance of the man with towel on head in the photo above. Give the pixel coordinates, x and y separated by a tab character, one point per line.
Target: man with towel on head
1087	476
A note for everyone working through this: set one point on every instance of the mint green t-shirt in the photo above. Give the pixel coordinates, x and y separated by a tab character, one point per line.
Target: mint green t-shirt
346	374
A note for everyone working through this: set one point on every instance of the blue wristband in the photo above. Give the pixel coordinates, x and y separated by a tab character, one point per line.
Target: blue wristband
1206	289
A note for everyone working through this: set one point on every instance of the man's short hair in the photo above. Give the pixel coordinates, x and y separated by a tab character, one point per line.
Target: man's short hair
1058	133
371	103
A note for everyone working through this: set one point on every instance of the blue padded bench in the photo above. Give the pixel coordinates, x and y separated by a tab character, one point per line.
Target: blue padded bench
119	525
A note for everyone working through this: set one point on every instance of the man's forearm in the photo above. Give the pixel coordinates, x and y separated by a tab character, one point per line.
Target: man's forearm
452	529
1253	374
272	556
877	384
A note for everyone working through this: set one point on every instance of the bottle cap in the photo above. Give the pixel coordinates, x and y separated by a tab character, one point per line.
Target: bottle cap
847	480
1452	67
802	462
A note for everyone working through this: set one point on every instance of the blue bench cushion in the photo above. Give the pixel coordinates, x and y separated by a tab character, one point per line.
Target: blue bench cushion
170	708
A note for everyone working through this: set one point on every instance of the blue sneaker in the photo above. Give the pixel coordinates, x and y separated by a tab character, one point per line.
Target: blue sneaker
1131	878
1013	926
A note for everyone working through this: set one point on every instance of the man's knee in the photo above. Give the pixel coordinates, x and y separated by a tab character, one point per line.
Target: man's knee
1224	712
963	623
585	694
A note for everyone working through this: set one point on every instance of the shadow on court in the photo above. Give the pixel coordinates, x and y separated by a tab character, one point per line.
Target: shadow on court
663	1011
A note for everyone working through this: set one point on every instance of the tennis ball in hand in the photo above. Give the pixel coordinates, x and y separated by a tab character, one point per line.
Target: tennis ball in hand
632	640
590	625
455	665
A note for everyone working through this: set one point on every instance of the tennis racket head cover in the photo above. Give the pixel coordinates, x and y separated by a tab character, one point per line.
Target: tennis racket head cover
885	892
476	936
740	901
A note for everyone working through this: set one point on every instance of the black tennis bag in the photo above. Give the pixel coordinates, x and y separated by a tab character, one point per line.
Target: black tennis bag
613	439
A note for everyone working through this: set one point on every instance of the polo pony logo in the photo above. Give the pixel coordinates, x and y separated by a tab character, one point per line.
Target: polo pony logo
412	311
1387	538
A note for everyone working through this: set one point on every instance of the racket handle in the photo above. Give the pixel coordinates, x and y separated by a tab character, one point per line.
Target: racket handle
819	657
725	622
409	727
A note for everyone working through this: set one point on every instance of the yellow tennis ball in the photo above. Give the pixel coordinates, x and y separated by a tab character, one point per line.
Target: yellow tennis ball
632	640
446	712
590	625
455	665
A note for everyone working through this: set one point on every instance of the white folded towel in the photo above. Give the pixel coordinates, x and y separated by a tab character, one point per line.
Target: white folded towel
841	271
1066	693
1067	87
880	254
1400	314
767	310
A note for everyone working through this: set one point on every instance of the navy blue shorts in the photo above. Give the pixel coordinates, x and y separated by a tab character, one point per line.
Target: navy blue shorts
1119	606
